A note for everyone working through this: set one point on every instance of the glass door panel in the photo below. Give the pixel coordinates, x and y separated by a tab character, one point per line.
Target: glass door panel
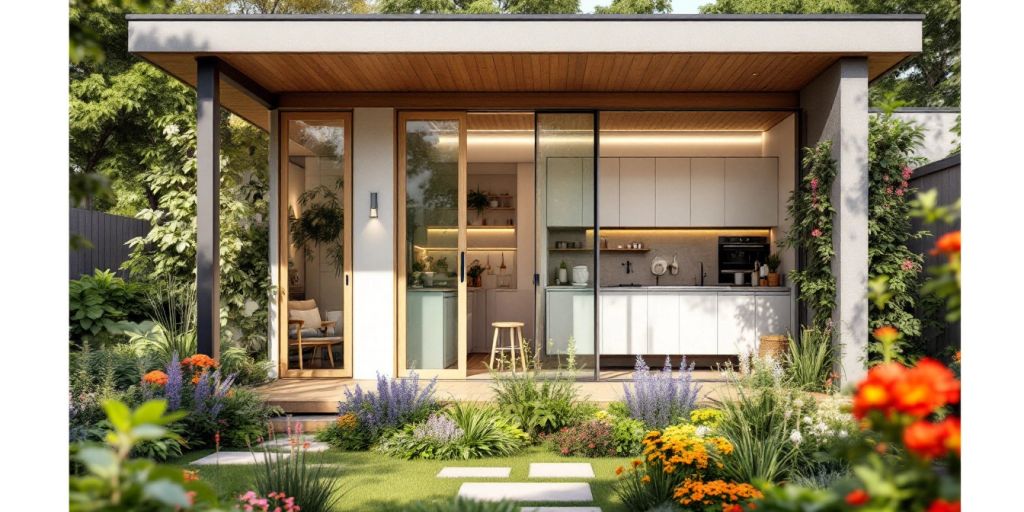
566	260
432	224
316	196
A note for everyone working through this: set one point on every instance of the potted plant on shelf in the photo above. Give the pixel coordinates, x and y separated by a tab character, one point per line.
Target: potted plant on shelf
417	273
773	263
441	267
478	201
428	271
475	272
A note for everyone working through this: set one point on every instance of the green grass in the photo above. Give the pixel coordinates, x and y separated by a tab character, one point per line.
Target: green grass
371	481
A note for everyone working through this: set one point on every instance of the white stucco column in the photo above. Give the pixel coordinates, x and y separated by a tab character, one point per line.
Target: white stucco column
273	322
373	242
835	108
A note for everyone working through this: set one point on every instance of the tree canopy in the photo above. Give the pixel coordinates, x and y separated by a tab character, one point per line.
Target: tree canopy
931	79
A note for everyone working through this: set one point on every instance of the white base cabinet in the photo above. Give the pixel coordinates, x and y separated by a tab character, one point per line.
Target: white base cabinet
663	323
736	318
570	313
698	324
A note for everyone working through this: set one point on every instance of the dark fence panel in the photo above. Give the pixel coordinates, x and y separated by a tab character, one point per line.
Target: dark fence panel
108	234
943	175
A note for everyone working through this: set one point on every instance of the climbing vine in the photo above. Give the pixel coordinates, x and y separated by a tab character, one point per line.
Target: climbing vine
810	208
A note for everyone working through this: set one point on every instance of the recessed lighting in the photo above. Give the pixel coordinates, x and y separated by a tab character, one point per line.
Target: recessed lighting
754	74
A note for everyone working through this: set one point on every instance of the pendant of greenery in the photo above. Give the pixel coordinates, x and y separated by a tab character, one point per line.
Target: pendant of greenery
321	223
891	145
810	208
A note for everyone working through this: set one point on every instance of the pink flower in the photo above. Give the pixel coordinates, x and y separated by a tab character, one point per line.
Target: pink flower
904	184
888	190
816	233
907	172
899	192
908	265
814	184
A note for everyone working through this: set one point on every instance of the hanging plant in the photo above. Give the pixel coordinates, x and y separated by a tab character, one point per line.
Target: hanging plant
810	208
321	223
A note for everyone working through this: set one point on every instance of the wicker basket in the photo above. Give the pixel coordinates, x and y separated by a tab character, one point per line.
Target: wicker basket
775	345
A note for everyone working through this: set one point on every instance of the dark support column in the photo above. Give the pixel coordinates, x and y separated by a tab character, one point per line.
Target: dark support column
208	206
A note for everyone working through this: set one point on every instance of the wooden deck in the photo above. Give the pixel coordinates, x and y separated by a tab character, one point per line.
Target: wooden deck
321	395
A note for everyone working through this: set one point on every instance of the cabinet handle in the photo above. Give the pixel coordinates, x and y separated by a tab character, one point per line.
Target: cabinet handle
462	267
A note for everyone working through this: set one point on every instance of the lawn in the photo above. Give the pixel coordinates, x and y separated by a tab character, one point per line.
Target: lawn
375	482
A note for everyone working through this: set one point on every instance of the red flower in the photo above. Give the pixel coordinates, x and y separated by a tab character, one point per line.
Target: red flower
926	387
875	392
857	497
941	505
925	439
948	243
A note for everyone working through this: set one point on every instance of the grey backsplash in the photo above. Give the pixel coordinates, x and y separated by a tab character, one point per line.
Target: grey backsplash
690	246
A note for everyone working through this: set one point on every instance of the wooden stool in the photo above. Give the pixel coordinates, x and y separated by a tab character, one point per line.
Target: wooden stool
515	336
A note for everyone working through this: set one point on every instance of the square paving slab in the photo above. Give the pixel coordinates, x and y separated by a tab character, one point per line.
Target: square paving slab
474	472
526	491
284	444
561	470
229	458
560	509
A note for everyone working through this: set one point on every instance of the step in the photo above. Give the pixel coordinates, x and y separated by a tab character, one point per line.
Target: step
526	491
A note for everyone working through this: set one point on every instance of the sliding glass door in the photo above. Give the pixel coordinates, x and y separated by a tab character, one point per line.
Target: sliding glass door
316	244
432	244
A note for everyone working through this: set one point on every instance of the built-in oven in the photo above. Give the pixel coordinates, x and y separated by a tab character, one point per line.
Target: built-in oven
739	254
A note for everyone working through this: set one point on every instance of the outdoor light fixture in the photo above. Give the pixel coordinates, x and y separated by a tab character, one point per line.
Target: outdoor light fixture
373	205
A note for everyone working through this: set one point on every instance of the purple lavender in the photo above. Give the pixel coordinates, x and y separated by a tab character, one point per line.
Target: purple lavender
438	428
396	402
172	391
208	397
658	399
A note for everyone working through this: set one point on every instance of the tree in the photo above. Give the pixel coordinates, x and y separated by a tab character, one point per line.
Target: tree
479	6
636	7
929	79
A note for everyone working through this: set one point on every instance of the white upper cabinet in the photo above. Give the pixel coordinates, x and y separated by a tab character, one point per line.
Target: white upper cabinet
751	192
672	192
636	192
570	192
707	192
608	190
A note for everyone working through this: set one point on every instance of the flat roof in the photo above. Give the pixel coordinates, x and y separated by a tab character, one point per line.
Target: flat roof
301	54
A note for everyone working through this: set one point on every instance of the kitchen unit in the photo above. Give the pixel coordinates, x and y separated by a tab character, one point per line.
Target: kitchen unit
691	320
432	337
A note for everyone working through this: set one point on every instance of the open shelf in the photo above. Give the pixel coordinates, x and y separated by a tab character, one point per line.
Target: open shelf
602	250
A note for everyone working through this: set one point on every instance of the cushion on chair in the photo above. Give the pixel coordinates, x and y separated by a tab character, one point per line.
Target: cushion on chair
310	322
301	305
337	318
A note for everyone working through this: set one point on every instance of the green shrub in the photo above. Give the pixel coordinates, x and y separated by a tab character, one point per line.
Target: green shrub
459	505
627	435
310	482
245	417
462	432
99	303
588	439
344	434
540	406
809	360
759	423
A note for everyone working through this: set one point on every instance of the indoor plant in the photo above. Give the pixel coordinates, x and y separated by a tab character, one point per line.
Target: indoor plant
474	273
428	271
477	200
773	263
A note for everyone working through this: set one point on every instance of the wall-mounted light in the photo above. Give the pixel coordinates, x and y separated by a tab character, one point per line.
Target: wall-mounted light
373	205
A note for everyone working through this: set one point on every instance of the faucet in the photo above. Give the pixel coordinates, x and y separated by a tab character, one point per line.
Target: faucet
703	274
629	267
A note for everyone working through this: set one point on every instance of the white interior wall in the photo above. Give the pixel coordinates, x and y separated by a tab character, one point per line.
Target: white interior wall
373	262
780	142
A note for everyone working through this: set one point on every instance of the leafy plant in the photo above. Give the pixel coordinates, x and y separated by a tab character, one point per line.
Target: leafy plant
320	223
310	482
627	435
759	428
99	303
773	262
658	400
396	403
593	438
462	432
539	406
810	207
113	481
459	505
344	434
809	360
477	200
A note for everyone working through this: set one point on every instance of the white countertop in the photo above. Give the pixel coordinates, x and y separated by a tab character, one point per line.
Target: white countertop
674	288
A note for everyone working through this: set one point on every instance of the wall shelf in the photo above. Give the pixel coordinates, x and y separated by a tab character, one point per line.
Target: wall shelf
602	250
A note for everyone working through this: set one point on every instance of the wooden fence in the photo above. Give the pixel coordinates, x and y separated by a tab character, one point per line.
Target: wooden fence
107	233
944	176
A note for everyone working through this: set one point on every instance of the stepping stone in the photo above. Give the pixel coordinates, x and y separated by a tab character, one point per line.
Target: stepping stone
474	472
284	443
560	509
526	491
230	458
561	470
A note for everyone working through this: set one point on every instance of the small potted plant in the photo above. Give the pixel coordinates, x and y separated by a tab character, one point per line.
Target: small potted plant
428	271
417	273
475	272
773	263
478	201
441	267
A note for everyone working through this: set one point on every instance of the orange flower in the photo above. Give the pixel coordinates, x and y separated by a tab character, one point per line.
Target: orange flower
857	497
190	475
637	462
732	508
886	334
646	479
875	391
926	387
200	361
155	377
948	243
941	505
618	470
956	357
930	440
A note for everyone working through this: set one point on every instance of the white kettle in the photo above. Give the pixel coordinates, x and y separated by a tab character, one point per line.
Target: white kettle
580	275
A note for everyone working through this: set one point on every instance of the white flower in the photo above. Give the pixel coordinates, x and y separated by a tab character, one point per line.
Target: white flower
808	420
798	403
795	437
702	431
842	434
171	129
787	414
821	426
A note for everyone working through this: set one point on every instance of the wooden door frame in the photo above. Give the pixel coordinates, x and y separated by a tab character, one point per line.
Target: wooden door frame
400	242
284	243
